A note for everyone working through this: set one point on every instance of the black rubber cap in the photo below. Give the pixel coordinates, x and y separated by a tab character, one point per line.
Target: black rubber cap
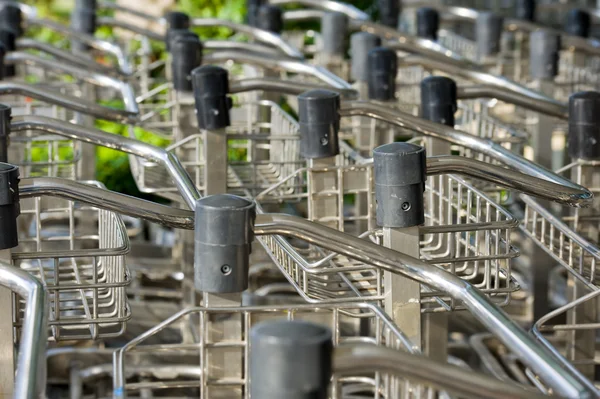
11	17
2	64
544	56
5	118
319	116
438	100
252	7
89	4
428	23
361	43
525	10
83	20
175	34
488	31
211	87
223	236
8	38
400	174
383	67
389	12
186	55
578	23
270	18
334	29
177	20
290	359
584	125
9	205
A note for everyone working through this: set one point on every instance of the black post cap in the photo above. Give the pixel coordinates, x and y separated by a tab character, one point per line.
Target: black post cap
488	32
186	55
389	12
211	87
578	23
2	63
334	27
428	23
399	184
252	7
290	359
525	10
89	4
438	99
361	43
584	125
177	20
5	118
383	67
175	34
83	20
319	118
8	38
544	55
11	17
223	236
9	205
270	18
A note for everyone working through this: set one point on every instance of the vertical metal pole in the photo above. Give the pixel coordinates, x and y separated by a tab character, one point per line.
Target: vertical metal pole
7	347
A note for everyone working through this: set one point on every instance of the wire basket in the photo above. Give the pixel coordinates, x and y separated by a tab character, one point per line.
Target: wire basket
217	365
263	148
465	233
78	253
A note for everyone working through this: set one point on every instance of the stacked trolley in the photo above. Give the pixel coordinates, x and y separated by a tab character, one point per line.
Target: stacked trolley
351	211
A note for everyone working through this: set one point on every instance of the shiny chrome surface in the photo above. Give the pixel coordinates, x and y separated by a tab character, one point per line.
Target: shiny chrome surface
30	381
327	5
285	86
152	153
580	197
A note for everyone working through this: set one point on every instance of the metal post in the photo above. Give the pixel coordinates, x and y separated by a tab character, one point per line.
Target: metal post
488	32
399	186
334	28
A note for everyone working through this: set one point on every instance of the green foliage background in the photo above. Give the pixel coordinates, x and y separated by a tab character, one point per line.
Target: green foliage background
112	167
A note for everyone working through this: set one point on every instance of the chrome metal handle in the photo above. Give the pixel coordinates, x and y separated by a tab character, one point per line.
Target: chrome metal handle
117	23
579	197
118	7
30	381
106	199
286	65
73	103
31	44
182	180
97	44
224	45
328	5
285	86
563	382
256	33
125	89
355	359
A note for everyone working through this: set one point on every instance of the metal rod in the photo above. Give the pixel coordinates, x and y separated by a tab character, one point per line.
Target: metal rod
182	180
550	370
285	86
328	5
581	196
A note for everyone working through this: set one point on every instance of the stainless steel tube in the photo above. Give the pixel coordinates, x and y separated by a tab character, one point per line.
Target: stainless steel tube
106	199
355	359
256	48
30	381
426	128
285	86
73	103
31	44
97	79
280	65
564	383
118	7
257	34
180	177
552	108
327	5
117	23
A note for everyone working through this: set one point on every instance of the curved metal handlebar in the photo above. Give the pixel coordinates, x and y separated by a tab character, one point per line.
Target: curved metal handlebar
563	382
127	95
30	381
117	23
356	359
286	65
285	86
118	7
256	33
327	5
579	197
180	177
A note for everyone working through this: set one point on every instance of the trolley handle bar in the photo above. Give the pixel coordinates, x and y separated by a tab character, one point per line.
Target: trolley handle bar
289	87
97	79
327	5
180	177
280	64
119	7
565	383
26	44
355	359
580	196
30	380
117	23
260	35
